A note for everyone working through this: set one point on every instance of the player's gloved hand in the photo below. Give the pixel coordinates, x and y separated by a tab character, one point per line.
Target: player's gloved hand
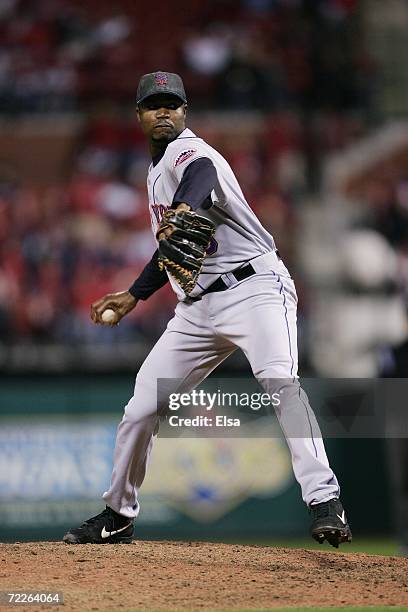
121	302
184	238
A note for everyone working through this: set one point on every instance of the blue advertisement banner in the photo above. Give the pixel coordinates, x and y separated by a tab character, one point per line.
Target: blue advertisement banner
54	472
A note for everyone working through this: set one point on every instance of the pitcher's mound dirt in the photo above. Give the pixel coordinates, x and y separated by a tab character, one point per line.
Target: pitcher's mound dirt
186	576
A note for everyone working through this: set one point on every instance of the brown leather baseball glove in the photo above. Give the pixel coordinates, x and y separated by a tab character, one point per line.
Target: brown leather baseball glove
184	240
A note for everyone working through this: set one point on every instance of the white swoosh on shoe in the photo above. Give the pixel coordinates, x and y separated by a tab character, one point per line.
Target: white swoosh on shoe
107	534
342	517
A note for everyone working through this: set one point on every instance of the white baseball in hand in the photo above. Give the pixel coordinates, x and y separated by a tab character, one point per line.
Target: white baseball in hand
109	316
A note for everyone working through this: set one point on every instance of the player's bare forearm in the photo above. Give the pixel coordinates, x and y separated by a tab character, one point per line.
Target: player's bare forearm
121	303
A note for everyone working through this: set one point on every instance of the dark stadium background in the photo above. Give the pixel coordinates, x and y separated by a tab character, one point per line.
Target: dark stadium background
307	100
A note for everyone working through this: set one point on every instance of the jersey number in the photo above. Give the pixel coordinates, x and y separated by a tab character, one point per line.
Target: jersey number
213	247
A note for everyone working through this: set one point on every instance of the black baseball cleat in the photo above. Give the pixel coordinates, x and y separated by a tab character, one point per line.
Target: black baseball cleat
108	527
330	523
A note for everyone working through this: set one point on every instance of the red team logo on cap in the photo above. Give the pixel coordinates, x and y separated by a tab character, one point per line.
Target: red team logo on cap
161	79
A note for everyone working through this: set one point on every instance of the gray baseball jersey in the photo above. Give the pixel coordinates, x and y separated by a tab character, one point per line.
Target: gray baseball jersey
239	235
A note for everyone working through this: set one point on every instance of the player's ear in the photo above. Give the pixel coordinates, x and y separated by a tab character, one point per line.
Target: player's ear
185	109
138	113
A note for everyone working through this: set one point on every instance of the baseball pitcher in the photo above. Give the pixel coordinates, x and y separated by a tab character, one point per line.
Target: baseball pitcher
234	291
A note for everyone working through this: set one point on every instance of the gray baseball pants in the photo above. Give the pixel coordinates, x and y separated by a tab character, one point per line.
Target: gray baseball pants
257	315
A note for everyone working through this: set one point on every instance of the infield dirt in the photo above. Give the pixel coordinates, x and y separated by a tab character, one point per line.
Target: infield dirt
187	576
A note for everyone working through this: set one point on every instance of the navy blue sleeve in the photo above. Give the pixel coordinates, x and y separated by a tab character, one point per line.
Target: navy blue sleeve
196	185
150	280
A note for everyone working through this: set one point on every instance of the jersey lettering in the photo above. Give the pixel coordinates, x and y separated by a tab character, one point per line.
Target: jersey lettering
159	210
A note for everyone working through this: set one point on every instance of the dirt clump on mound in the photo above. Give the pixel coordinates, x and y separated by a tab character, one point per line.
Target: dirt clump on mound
196	575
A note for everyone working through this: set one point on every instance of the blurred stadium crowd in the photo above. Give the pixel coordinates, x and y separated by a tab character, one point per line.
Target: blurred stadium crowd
59	55
275	85
280	88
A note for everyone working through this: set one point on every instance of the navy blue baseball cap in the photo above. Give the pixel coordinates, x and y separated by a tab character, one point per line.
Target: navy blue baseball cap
160	83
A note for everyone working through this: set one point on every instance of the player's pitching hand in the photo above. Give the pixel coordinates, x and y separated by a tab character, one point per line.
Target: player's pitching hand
121	303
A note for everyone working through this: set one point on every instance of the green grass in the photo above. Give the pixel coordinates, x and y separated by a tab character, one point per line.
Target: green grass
372	546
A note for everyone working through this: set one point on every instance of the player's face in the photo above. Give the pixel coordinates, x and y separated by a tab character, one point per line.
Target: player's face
162	118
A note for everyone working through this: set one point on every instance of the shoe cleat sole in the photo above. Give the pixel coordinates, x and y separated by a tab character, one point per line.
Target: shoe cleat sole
335	537
70	539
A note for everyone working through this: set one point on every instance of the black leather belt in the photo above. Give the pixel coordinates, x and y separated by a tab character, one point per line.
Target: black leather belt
239	274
